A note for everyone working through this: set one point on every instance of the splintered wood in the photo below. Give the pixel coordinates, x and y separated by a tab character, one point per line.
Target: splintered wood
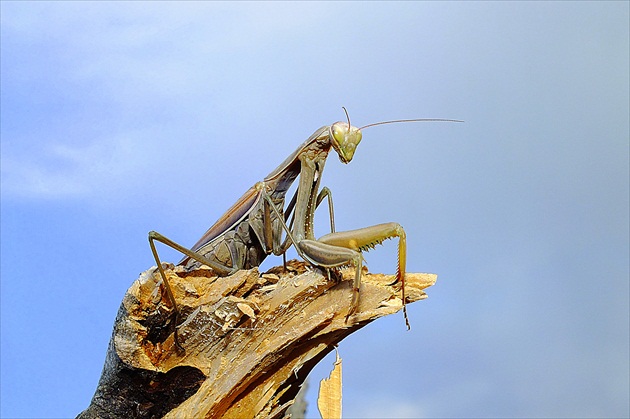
250	340
329	399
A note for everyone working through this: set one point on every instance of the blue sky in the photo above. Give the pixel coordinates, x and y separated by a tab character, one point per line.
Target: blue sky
120	118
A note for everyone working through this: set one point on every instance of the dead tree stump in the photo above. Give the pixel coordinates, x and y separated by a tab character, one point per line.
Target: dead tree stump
250	340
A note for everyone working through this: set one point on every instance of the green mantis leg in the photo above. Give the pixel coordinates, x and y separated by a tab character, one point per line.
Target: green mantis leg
326	193
338	249
344	248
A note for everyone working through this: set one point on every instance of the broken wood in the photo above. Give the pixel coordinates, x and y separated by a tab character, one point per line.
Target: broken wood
250	340
329	399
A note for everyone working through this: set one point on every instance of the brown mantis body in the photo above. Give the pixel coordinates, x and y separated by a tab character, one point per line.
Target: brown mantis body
253	227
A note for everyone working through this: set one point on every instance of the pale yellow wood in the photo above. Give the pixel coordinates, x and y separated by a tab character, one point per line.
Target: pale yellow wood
330	392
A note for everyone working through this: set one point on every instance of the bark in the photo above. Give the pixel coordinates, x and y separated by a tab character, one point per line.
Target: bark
250	340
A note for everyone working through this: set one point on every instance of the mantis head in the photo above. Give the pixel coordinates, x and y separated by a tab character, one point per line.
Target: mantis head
345	139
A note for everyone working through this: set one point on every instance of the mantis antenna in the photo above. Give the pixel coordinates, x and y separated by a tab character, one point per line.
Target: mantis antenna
411	120
347	116
396	121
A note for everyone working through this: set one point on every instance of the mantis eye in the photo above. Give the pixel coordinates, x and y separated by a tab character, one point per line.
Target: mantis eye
345	139
339	130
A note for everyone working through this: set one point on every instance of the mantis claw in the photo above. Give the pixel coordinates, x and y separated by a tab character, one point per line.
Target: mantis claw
395	277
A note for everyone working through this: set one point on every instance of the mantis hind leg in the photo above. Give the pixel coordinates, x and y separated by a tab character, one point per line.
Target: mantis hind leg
223	270
169	291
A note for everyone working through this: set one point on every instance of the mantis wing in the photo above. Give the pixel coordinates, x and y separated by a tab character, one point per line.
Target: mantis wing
237	213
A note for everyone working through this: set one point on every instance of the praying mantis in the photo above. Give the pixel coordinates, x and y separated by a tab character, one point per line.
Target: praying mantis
253	227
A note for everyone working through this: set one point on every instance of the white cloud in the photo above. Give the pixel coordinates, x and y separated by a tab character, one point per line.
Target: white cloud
60	170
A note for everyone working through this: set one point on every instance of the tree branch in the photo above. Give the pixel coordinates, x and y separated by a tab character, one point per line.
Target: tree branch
250	340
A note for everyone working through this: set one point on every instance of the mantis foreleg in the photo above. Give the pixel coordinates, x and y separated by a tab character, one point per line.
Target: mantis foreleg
343	248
